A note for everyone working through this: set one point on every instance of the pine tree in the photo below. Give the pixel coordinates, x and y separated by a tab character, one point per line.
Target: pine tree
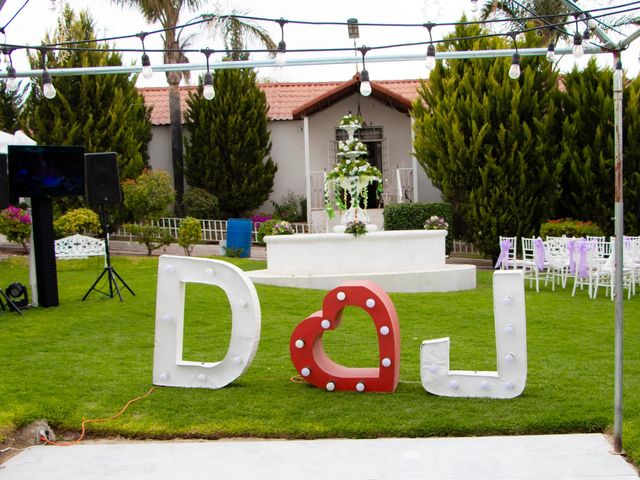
100	112
488	142
227	152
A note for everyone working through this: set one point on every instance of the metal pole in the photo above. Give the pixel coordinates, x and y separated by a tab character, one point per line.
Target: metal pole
619	246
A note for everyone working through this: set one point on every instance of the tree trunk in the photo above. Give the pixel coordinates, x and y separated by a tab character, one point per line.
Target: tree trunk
175	118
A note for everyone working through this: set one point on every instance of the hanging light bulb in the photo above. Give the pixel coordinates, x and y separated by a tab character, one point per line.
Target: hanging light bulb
474	6
12	81
430	62
282	46
208	92
47	86
365	86
514	70
578	49
147	71
281	55
618	76
551	51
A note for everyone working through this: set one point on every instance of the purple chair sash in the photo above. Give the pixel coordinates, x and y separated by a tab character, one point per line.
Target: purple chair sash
538	253
583	249
503	259
571	249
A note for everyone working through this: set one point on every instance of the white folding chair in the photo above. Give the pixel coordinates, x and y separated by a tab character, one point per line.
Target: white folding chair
605	274
530	266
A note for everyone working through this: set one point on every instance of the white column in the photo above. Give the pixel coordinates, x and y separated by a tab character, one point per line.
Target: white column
307	169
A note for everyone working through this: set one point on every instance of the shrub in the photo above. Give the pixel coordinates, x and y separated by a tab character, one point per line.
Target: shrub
15	224
412	216
199	203
148	197
293	208
78	220
266	228
570	228
149	235
189	233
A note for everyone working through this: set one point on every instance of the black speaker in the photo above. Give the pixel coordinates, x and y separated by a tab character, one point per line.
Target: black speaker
4	184
102	182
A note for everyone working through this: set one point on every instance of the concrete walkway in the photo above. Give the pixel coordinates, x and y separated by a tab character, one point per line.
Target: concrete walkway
543	457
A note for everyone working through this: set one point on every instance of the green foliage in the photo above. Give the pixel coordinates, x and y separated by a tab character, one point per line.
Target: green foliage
79	220
587	150
631	155
266	228
103	113
292	208
9	108
489	143
199	203
151	236
412	216
227	152
233	252
570	228
15	225
357	228
189	234
148	197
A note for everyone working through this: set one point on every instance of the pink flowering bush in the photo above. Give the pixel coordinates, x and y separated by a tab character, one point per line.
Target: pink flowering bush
15	224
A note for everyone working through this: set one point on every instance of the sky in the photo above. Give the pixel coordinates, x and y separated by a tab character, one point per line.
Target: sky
38	17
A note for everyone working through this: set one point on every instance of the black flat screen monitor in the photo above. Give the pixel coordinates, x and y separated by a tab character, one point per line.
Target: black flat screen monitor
45	171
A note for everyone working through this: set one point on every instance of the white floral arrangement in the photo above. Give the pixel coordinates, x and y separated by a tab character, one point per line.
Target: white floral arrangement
283	228
351	120
352	146
354	167
436	223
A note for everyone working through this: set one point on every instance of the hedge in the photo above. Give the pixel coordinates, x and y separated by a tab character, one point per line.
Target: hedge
411	216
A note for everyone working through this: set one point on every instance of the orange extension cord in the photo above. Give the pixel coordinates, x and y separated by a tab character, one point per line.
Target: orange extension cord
95	420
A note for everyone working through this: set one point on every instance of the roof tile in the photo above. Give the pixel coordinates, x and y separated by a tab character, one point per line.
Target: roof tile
283	98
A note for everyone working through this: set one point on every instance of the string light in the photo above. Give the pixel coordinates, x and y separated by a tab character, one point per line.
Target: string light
578	49
147	71
551	51
12	81
514	70
282	46
208	92
48	89
365	86
474	6
430	61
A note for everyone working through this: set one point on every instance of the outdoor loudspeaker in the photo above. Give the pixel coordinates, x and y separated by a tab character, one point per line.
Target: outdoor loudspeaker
102	182
4	184
18	294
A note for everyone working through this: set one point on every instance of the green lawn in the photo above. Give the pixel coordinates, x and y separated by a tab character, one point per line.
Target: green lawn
87	359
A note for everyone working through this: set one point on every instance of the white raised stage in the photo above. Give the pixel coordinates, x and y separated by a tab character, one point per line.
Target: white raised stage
398	261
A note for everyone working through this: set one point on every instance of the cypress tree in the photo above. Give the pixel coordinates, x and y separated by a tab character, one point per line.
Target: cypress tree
488	142
631	158
100	112
587	147
9	109
227	152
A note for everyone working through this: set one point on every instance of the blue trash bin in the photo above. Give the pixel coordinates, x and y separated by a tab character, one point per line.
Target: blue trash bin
239	235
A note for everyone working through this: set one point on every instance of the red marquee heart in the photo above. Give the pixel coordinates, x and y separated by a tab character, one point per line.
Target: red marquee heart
310	359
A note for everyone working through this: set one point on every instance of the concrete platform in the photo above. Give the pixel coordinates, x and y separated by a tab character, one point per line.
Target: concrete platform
544	457
444	279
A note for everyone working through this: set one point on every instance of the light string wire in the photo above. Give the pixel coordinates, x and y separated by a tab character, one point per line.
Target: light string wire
205	18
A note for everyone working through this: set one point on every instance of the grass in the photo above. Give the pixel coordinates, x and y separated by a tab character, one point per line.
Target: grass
87	359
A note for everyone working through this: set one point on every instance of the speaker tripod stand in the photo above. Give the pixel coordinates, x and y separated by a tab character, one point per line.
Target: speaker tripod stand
108	271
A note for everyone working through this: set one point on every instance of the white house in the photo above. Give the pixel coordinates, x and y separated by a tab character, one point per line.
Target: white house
303	124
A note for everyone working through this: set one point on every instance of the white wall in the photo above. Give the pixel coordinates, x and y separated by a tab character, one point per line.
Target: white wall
160	149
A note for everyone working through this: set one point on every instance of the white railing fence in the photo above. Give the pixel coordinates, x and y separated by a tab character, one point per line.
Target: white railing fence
212	230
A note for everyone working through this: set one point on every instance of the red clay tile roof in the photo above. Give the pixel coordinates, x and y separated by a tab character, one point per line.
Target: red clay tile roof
292	100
